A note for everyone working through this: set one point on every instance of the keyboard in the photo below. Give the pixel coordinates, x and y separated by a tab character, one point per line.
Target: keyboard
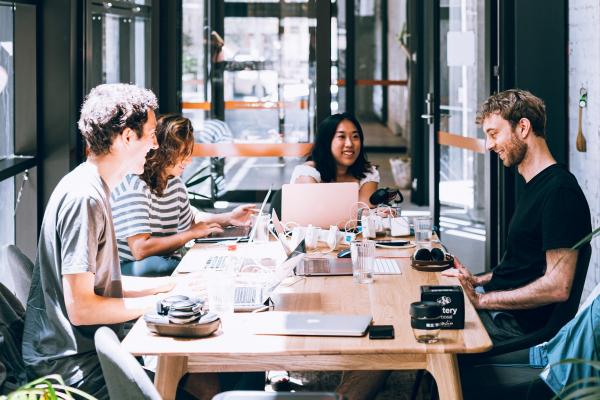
386	266
215	263
246	295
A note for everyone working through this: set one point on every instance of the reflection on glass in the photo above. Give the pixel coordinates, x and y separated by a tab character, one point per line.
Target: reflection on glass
258	78
6	81
463	87
120	46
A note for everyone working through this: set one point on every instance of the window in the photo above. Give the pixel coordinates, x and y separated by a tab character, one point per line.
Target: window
120	43
18	133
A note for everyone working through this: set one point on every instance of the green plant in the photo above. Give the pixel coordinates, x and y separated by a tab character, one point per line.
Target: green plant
48	387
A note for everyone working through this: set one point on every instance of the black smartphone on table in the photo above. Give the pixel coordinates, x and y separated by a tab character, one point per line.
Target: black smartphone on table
381	332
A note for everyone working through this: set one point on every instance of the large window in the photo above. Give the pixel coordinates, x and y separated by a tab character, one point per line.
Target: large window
119	48
18	130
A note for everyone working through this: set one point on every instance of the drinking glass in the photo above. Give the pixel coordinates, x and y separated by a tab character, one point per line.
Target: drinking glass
363	258
261	228
422	226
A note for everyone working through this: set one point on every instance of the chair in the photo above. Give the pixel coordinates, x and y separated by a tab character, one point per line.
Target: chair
276	203
125	378
562	313
254	395
12	367
16	270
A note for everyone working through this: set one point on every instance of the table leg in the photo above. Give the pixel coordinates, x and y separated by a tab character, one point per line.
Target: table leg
444	369
169	371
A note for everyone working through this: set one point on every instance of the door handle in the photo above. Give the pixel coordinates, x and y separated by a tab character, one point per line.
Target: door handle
428	108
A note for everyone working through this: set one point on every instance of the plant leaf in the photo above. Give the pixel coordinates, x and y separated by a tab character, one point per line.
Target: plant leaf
586	239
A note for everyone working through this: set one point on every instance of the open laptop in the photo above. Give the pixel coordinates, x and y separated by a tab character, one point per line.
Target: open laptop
322	204
310	324
250	297
328	265
238	233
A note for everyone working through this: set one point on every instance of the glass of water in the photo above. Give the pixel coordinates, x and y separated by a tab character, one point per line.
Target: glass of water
363	258
221	291
423	226
261	228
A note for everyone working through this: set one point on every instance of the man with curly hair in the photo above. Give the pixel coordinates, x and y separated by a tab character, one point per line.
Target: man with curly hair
77	284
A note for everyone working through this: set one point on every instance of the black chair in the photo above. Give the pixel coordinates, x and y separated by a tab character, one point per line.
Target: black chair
12	367
562	313
276	203
506	376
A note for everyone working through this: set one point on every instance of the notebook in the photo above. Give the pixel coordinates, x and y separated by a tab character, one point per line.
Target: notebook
238	233
319	204
251	297
310	324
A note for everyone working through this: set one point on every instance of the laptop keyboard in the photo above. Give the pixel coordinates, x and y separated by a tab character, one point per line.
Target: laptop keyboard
245	295
386	266
215	263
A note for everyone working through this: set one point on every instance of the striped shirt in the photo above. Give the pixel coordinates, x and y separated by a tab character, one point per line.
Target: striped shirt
213	131
136	210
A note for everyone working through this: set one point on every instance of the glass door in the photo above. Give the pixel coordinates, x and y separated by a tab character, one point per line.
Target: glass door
458	83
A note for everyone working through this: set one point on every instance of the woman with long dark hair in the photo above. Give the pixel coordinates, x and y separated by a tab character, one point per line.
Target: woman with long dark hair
339	156
151	212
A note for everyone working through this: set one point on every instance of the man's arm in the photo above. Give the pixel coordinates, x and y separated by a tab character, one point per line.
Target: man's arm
134	286
553	287
483	279
84	307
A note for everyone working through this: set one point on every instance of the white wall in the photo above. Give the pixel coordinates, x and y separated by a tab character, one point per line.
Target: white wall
584	71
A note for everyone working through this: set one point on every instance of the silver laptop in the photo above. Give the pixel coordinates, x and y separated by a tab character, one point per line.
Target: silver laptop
311	265
310	324
251	297
238	233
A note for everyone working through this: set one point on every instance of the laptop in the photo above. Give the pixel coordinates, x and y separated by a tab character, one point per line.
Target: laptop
251	297
237	233
310	324
328	265
322	204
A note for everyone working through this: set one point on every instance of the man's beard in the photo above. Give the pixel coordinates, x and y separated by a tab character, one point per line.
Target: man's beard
516	151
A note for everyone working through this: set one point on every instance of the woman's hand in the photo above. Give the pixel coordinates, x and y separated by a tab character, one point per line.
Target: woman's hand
203	229
242	215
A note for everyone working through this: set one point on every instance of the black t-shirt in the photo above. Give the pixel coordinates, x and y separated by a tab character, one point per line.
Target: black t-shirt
552	213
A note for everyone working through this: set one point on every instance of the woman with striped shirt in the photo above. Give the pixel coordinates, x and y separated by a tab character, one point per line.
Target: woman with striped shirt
152	215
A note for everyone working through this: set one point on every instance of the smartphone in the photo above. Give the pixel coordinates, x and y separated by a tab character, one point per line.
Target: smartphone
393	242
381	332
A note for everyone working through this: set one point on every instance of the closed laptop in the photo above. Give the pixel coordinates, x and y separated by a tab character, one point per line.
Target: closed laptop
310	324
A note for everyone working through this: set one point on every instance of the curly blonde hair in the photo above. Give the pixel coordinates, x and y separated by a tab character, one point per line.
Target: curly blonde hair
175	137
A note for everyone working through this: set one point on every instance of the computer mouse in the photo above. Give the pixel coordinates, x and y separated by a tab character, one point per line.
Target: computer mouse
344	253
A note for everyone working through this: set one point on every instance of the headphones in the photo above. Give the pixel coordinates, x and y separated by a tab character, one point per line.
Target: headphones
434	254
180	309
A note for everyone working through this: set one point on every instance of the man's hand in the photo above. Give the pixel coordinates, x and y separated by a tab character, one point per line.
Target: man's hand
203	229
462	273
469	289
242	215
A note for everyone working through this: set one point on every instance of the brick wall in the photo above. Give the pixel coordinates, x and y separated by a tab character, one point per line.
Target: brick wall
584	71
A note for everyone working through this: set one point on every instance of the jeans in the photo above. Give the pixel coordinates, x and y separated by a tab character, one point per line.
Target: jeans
150	266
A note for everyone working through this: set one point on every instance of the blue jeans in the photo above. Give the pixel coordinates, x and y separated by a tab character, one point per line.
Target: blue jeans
150	266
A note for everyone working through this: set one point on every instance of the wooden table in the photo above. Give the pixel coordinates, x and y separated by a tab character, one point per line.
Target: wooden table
235	348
